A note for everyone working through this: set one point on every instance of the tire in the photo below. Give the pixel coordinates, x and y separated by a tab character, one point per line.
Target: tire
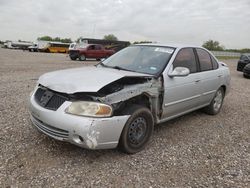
214	107
137	130
72	58
82	57
246	76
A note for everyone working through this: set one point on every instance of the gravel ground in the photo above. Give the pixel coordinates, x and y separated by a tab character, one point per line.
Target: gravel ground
195	150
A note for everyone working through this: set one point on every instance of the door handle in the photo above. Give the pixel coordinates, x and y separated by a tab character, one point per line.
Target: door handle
219	76
196	81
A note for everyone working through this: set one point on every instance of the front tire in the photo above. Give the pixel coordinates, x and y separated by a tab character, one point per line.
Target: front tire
216	104
137	130
72	58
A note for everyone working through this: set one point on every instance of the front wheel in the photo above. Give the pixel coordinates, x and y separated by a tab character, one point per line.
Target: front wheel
137	130
216	104
72	58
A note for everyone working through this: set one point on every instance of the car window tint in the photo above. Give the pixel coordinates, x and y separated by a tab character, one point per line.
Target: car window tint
186	58
215	63
205	61
98	47
92	47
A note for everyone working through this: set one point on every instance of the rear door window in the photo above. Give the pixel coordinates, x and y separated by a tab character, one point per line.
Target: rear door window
215	63
204	59
186	58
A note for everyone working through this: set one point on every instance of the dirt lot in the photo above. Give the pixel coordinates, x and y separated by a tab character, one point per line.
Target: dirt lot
196	150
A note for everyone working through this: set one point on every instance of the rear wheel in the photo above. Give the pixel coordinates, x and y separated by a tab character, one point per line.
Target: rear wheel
216	104
137	130
82	57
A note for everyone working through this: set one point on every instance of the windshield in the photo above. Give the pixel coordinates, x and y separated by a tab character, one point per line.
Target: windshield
143	59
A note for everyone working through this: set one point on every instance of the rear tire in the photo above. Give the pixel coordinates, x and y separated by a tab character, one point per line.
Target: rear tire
137	130
214	107
82	57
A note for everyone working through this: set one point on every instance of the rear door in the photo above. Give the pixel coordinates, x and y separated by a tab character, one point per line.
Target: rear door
100	53
90	51
212	76
182	94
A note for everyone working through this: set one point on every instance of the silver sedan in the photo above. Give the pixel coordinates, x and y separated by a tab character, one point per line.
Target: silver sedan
119	101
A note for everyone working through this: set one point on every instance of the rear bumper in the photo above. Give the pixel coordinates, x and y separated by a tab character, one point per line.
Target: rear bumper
90	133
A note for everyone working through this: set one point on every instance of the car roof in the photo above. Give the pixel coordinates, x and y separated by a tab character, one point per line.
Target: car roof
174	45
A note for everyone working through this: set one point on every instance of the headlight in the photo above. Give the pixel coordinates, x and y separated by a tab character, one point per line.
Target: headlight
92	109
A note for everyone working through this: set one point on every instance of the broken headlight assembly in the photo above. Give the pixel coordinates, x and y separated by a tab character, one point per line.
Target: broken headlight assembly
89	109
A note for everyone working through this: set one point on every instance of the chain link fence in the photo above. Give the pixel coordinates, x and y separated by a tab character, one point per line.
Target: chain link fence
226	54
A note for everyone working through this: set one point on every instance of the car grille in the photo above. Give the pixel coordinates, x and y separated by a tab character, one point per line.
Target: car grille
49	99
74	53
50	130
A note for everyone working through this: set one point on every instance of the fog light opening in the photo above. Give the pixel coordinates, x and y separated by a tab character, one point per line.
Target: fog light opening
78	139
81	139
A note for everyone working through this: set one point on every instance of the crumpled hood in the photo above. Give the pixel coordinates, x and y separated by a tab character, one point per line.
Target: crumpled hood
85	79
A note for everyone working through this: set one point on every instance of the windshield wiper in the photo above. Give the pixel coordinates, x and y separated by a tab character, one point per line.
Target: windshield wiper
102	64
119	68
114	67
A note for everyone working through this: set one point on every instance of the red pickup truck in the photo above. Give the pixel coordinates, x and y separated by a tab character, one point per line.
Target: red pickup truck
95	51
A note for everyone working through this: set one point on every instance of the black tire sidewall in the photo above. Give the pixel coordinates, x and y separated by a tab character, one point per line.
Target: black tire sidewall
212	103
124	140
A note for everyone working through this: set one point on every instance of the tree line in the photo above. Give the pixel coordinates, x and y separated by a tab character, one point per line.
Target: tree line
216	46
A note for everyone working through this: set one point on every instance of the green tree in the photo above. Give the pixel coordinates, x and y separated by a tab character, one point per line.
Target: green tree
46	38
110	37
66	40
213	45
56	39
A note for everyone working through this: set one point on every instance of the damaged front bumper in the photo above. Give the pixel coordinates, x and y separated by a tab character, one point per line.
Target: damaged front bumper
86	132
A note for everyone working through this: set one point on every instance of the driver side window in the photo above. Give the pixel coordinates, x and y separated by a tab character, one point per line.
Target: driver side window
186	58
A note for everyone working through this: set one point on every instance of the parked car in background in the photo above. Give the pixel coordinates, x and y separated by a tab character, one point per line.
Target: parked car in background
244	60
95	51
118	101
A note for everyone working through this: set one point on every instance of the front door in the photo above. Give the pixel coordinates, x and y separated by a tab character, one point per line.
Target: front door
182	94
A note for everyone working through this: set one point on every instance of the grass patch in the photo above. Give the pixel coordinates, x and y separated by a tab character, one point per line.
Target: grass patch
226	57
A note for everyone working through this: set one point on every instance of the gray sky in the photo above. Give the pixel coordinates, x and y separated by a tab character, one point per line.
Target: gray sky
180	21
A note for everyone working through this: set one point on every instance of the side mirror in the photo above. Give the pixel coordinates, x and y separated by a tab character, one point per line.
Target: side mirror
179	72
